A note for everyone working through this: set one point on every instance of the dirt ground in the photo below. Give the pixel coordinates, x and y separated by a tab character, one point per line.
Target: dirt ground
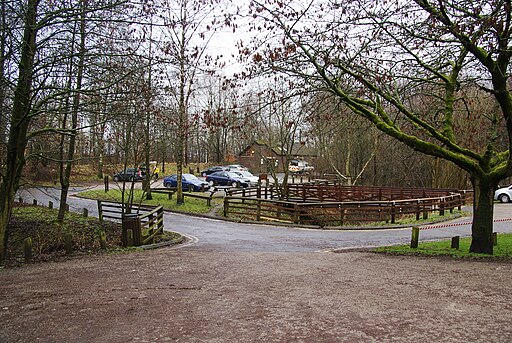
195	294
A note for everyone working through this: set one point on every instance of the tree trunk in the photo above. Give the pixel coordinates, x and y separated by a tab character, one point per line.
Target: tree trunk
20	120
483	208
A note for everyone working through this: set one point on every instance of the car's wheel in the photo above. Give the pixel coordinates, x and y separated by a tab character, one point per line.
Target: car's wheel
167	185
211	183
204	174
190	188
504	198
234	184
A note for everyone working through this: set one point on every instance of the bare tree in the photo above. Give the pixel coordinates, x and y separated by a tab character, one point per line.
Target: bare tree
381	58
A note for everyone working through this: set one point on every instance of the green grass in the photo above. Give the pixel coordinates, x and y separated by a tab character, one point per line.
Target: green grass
191	205
443	248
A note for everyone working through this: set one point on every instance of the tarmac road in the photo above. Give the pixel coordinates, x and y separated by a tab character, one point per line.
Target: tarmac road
230	236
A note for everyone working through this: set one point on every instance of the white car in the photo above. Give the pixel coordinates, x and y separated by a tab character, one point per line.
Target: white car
503	194
247	175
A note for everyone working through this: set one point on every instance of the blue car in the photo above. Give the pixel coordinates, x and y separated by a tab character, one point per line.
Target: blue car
189	182
225	178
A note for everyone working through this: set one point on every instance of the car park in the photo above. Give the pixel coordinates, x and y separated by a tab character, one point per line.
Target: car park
189	182
129	174
225	178
503	194
211	170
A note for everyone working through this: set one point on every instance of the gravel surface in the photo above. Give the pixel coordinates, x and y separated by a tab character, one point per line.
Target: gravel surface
197	294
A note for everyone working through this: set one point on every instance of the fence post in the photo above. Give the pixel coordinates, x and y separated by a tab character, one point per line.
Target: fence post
27	249
132	223
68	243
105	181
455	242
441	206
296	216
393	212
495	238
415	237
342	214
100	212
50	204
85	212
20	200
418	209
103	240
35	202
226	207
258	209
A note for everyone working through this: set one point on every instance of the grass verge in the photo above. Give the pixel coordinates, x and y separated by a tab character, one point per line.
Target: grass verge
443	248
192	205
48	235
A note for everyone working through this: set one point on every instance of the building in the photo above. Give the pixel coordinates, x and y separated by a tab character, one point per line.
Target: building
261	157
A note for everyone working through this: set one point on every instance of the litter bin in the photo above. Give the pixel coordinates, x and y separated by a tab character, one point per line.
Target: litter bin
131	222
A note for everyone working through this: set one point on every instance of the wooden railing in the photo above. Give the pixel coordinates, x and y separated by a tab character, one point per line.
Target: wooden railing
144	222
335	214
171	190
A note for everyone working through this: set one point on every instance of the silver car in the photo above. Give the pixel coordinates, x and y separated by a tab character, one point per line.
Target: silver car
503	194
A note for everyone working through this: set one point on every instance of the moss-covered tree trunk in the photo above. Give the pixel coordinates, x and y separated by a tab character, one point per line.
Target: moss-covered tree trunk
483	207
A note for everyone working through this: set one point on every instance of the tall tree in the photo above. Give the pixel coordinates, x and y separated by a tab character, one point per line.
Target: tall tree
381	58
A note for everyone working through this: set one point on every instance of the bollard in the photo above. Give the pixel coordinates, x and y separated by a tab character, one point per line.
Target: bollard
68	243
85	212
103	240
50	204
495	238
67	207
415	237
35	202
27	249
20	200
129	238
455	242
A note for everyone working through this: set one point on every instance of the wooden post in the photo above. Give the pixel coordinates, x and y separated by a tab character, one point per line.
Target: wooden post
441	206
415	237
455	242
100	212
27	249
105	180
103	240
296	215
495	238
226	207
418	209
20	200
258	209
68	243
393	212
129	238
132	223
85	212
50	204
67	207
35	202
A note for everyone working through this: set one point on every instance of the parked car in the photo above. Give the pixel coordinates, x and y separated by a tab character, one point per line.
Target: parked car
225	178
130	174
189	182
248	175
298	166
211	170
236	167
503	194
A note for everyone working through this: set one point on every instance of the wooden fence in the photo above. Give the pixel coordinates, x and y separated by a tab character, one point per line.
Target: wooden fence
335	214
144	222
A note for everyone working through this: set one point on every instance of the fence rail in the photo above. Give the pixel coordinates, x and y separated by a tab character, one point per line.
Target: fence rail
145	222
335	214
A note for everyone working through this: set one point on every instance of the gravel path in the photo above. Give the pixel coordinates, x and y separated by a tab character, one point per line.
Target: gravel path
199	295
